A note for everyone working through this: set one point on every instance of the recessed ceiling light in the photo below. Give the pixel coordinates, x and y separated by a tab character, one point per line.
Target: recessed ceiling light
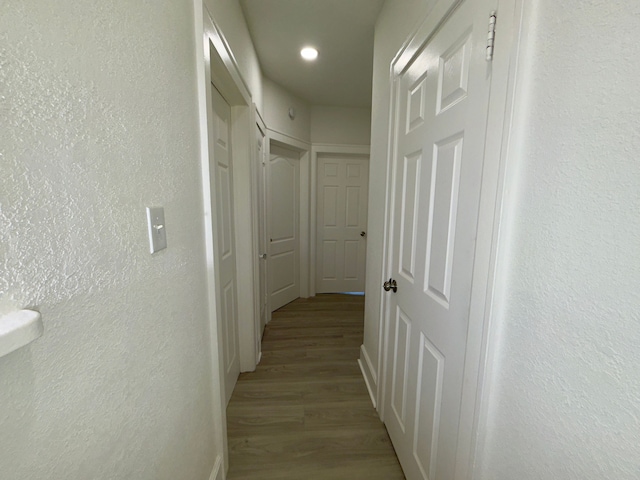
309	53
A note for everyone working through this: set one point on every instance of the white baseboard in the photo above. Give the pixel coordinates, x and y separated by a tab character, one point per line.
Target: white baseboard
216	473
369	375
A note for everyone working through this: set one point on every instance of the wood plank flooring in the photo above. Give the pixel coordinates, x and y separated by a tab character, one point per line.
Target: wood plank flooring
305	413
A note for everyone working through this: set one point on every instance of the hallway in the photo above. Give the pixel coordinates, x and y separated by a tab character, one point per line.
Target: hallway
305	412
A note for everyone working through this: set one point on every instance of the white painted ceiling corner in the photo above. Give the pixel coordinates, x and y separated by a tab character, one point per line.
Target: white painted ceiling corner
341	30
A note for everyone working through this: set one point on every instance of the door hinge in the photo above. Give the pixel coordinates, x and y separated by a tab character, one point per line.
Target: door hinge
491	36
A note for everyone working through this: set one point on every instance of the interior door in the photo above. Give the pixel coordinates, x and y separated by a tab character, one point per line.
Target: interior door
442	104
225	239
341	223
284	209
262	229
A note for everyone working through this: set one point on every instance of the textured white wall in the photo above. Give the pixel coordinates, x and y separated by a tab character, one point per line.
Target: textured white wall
340	125
277	102
98	108
565	390
396	22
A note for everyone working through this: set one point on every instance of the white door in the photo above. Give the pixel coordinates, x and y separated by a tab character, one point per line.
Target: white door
343	184
442	105
262	230
225	239
283	204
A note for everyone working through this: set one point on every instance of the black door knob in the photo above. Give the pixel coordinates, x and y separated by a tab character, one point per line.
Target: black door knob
390	285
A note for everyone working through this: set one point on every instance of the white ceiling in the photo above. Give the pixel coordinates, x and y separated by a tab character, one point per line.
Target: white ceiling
341	30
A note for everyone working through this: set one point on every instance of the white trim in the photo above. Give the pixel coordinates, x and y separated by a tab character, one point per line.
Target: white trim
257	166
355	149
222	48
260	120
369	364
499	120
244	204
286	139
204	28
226	76
216	472
505	150
474	409
370	377
366	381
383	326
319	149
216	63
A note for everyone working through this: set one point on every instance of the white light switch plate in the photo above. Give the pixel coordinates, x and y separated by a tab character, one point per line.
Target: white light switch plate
157	229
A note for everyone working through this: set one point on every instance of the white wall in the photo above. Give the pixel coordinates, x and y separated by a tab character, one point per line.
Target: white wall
277	102
99	120
396	22
340	125
565	394
313	123
228	16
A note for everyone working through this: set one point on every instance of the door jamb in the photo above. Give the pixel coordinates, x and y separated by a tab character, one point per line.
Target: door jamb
260	163
478	360
318	149
216	64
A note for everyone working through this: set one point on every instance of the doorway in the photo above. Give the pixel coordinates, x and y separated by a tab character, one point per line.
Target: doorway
221	170
283	204
341	222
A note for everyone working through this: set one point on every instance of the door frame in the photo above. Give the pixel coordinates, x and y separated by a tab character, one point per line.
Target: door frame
216	64
304	150
319	149
261	209
480	335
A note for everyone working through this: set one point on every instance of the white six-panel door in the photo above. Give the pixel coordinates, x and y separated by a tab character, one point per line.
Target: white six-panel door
283	223
440	127
341	219
225	239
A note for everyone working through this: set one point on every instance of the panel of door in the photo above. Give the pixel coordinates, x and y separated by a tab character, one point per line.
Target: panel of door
262	230
225	239
341	223
283	211
442	104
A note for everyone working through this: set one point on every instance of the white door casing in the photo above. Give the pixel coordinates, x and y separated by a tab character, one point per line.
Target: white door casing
225	239
341	223
283	203
262	230
441	101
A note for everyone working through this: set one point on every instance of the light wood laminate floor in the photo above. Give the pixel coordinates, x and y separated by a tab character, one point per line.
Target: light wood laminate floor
305	413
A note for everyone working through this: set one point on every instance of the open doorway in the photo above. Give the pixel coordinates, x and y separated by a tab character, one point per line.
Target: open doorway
339	220
283	207
287	219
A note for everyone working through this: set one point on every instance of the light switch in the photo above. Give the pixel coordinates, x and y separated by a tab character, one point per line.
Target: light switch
157	229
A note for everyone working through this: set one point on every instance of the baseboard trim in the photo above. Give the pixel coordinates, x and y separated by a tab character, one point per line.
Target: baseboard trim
216	473
368	373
